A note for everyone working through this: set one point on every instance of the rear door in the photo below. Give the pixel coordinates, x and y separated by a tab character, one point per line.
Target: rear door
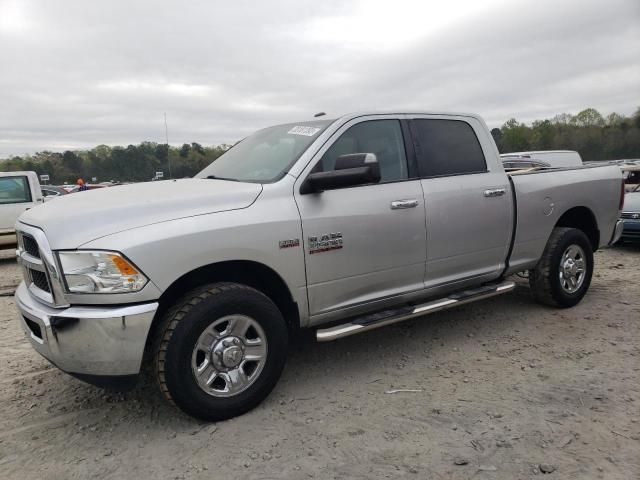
368	242
468	206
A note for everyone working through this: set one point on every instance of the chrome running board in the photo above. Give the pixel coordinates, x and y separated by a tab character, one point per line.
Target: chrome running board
387	317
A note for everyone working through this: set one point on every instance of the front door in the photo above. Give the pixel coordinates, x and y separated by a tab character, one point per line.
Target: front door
367	242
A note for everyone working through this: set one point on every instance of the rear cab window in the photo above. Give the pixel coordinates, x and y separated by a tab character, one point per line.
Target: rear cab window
447	147
14	190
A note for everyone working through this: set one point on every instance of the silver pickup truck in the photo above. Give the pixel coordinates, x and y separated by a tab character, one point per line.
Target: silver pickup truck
339	225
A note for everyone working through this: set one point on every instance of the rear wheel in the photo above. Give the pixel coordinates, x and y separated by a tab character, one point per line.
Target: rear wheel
220	351
563	275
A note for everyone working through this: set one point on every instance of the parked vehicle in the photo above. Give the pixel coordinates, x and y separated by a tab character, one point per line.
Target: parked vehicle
631	216
631	175
513	164
340	226
19	191
51	191
70	188
555	158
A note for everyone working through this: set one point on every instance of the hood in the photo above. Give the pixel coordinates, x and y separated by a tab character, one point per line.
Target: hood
632	202
72	220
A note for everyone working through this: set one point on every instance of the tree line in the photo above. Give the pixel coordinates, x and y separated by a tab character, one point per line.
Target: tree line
134	163
596	138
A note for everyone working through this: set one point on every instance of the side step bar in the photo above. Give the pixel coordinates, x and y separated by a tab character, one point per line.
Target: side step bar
387	317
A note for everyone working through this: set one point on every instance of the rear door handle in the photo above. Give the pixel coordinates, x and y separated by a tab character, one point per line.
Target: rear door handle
494	192
399	204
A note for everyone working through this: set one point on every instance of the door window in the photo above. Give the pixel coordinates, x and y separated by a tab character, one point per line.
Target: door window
447	147
382	137
14	190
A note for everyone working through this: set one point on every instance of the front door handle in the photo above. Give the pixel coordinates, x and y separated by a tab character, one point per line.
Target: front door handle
494	192
399	204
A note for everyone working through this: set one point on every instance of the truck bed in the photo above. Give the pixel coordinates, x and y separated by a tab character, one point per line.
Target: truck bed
543	196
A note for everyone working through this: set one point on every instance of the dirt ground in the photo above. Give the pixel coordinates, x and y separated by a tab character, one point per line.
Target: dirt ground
498	388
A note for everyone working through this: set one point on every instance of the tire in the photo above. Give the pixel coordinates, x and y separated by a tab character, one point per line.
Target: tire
238	370
550	282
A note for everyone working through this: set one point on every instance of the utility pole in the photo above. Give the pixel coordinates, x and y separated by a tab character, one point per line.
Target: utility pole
166	136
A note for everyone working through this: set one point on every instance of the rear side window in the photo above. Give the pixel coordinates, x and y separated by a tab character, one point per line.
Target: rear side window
447	147
14	190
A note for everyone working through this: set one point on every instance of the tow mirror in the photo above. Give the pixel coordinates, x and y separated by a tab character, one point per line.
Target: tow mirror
350	170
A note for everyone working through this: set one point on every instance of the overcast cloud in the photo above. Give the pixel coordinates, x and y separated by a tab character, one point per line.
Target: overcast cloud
76	74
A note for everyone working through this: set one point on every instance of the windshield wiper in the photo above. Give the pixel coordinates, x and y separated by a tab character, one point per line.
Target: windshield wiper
213	177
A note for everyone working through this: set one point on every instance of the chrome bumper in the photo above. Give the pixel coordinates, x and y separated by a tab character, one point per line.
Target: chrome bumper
617	232
90	340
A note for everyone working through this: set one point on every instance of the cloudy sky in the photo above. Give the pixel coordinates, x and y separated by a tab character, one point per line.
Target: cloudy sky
78	73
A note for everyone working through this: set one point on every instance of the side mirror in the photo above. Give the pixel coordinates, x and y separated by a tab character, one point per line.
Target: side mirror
350	170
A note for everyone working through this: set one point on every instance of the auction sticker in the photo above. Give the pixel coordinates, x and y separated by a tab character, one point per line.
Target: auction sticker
306	131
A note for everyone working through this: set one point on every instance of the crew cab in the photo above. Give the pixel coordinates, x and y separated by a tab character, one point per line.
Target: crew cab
19	191
339	226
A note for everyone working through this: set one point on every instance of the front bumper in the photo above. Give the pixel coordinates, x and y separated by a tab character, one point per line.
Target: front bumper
87	341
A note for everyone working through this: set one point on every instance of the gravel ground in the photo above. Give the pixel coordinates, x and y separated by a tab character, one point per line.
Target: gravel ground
501	389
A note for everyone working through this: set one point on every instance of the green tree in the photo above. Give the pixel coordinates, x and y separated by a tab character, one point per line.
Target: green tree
184	150
72	162
515	136
588	117
542	135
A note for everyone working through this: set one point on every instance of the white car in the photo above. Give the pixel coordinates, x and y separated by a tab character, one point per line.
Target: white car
555	158
19	191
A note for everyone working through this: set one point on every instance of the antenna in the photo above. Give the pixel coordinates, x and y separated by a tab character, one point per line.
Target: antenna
319	114
166	136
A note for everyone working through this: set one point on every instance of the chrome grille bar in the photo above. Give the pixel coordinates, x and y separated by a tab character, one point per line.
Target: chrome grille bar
39	267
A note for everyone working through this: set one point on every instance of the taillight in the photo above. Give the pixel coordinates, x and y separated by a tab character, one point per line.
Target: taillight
621	196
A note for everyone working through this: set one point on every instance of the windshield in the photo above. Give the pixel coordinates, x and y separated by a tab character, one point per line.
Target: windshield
266	155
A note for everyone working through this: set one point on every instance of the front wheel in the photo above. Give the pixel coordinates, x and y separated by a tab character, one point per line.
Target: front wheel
563	275
220	351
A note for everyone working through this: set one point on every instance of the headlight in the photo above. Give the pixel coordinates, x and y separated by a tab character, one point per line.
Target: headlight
100	272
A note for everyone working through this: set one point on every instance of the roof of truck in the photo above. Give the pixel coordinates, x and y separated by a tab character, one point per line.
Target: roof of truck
410	112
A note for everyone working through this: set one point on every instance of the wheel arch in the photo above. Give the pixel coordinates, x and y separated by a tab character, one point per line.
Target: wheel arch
583	219
247	272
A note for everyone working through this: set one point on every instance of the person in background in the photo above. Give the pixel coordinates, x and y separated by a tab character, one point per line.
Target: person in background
81	185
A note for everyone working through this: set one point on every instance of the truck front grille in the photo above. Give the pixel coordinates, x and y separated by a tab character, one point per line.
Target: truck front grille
630	215
30	245
36	258
39	279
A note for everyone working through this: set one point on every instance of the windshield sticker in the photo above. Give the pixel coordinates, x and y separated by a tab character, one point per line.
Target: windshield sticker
306	131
